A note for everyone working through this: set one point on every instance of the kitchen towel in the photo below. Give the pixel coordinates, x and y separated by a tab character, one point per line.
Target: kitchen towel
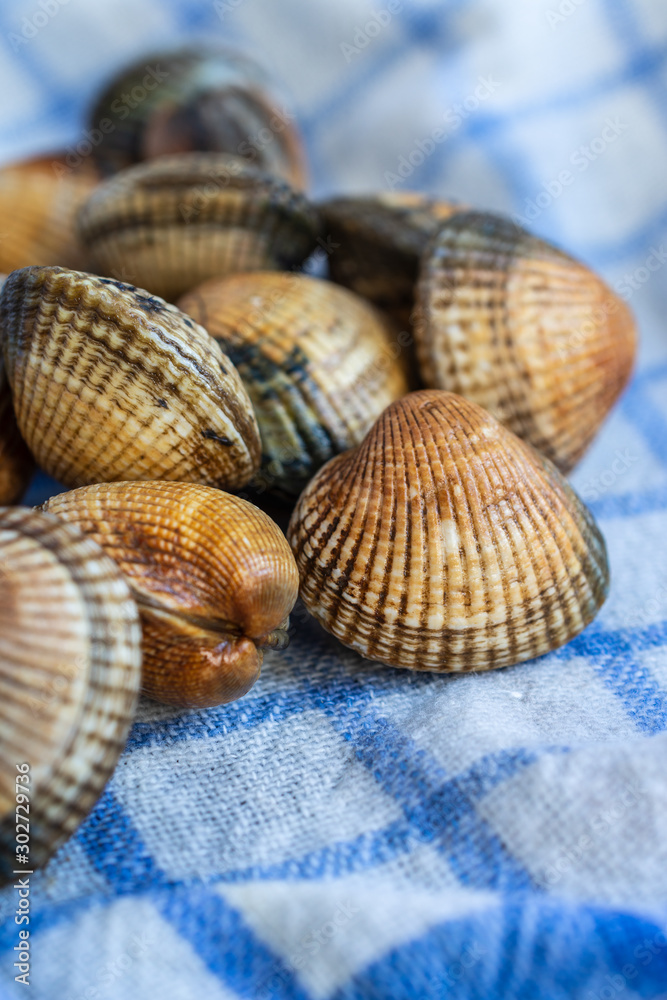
350	831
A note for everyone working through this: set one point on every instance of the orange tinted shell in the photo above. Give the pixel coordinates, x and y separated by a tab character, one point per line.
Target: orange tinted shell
212	575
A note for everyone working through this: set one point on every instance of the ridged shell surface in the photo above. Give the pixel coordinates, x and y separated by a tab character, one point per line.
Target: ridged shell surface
521	328
379	240
213	576
171	224
16	462
445	543
39	201
70	667
111	383
319	364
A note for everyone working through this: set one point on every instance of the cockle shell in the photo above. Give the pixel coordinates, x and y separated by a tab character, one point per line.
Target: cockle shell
521	328
111	383
319	364
194	99
16	462
70	667
445	543
171	224
377	242
39	201
212	575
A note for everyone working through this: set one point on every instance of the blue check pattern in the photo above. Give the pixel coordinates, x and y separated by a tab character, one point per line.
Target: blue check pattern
348	831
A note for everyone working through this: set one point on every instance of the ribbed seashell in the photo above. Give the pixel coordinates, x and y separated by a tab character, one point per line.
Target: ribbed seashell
523	329
194	99
445	543
70	667
171	224
111	383
16	462
319	363
212	575
377	242
39	201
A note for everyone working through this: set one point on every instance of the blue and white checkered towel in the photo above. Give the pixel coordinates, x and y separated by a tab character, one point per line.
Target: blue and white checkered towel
351	831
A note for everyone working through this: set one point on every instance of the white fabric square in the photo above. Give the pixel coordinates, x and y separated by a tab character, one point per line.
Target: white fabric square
326	932
124	951
250	797
587	825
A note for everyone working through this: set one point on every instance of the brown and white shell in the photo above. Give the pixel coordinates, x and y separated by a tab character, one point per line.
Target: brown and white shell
110	383
196	99
39	202
445	543
523	329
213	576
377	241
172	223
319	363
70	667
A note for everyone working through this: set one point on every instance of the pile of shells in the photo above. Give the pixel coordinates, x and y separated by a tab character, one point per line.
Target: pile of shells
165	344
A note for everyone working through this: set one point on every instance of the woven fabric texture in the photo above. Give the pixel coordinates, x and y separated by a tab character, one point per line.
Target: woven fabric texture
350	831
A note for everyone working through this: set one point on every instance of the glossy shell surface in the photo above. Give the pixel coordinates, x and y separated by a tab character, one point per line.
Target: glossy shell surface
319	364
111	383
70	667
445	543
213	576
523	329
171	224
39	202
